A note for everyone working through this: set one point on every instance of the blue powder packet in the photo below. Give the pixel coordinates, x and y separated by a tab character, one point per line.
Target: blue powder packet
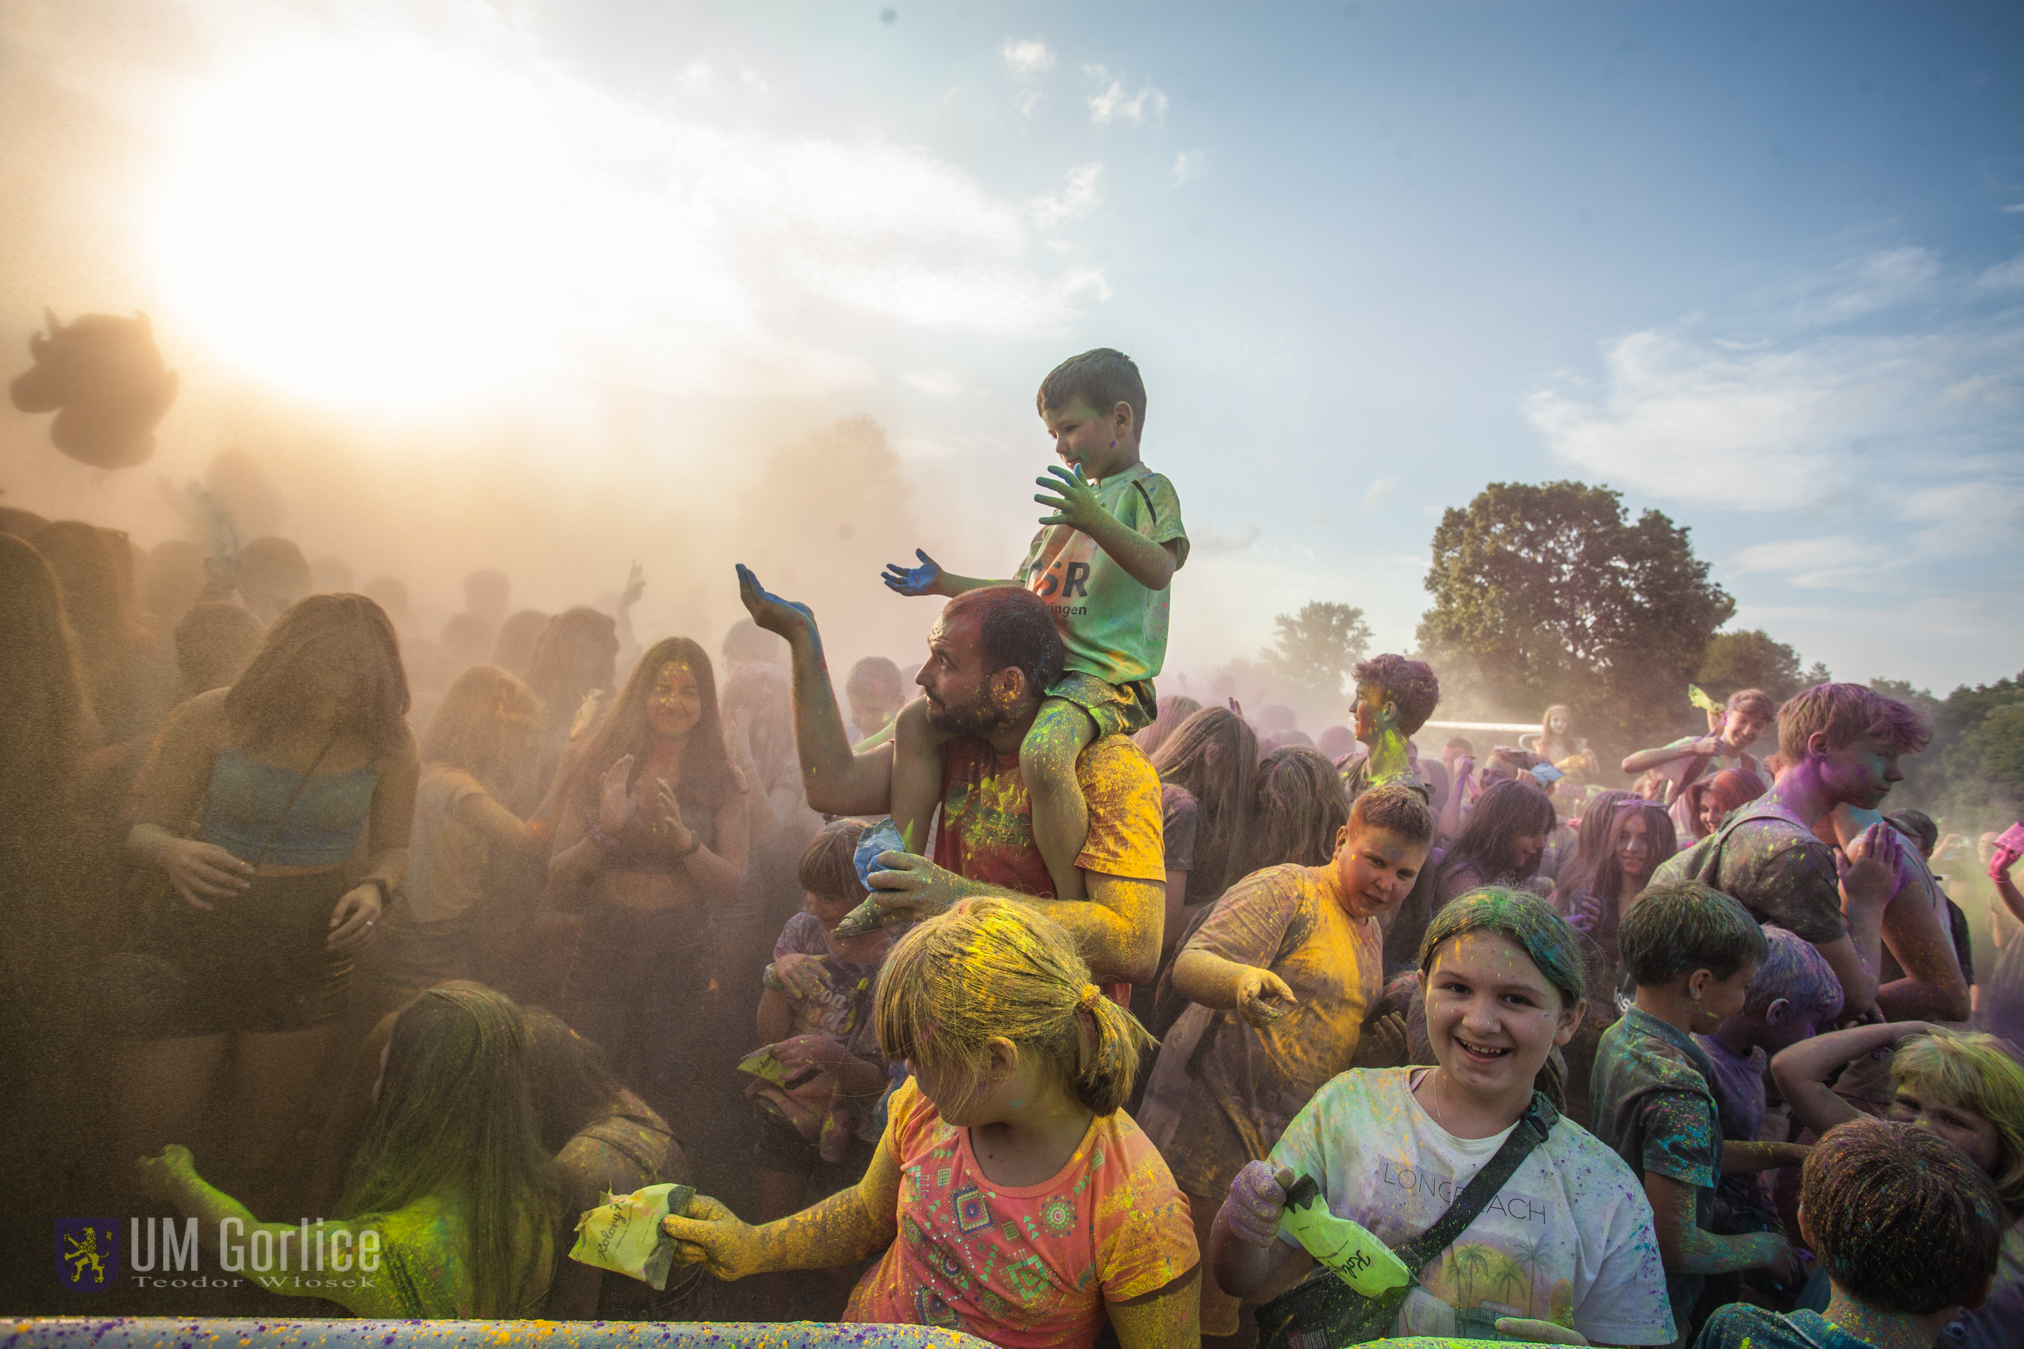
870	916
881	837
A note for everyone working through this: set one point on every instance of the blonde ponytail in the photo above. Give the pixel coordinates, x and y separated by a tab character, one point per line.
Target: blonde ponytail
992	967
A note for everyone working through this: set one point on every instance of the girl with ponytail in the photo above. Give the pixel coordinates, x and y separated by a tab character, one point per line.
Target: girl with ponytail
1028	1207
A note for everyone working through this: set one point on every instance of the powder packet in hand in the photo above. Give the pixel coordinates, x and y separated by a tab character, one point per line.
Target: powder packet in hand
870	916
2012	839
1349	1248
624	1233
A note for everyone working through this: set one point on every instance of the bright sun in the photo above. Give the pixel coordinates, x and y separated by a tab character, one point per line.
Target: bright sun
377	229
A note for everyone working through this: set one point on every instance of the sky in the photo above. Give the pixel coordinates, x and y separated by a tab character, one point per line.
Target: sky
548	286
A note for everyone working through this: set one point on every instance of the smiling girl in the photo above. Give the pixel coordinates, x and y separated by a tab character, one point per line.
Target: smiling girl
1565	1250
652	836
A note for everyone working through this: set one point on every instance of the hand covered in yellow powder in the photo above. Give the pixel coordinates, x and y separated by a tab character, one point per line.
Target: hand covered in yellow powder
1263	997
166	1174
711	1235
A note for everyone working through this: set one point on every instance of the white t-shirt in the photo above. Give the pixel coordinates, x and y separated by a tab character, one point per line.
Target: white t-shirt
1568	1239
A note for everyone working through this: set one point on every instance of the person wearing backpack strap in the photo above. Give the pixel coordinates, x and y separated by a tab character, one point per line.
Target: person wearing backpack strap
1841	744
1561	1251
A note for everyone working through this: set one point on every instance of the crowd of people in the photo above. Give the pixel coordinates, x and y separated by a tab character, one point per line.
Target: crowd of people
997	993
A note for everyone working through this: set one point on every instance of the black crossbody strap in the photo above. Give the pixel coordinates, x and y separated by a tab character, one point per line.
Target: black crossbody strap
1527	1134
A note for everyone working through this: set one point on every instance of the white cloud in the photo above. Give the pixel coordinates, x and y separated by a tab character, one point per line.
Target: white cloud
1209	539
541	224
1380	491
2005	275
1111	104
1028	100
1884	450
1029	57
1189	165
2017	209
1079	197
1867	284
934	383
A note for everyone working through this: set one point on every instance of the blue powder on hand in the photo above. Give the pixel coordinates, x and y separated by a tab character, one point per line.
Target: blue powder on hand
882	837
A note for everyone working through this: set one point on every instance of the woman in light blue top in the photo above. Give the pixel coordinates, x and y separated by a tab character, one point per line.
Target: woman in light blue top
253	802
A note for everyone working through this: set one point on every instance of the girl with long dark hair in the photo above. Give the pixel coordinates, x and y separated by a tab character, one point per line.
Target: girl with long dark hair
651	839
1208	769
1623	838
1501	843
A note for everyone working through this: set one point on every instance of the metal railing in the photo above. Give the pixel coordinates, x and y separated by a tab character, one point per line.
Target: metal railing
197	1332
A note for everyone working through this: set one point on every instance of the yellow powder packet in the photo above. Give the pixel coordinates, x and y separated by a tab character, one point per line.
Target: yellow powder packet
624	1233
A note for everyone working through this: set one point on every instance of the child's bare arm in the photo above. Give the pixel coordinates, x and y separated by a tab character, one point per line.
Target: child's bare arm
847	1226
1149	563
1244	1247
1166	1318
1665	754
1259	996
1802	1070
930	579
1686	1248
776	1017
1739	1157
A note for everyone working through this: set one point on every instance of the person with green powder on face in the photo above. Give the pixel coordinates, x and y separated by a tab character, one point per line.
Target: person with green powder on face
1394	698
1103	561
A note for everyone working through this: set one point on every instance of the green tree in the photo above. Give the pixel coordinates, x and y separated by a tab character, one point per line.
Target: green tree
1750	659
1311	657
1972	775
1551	593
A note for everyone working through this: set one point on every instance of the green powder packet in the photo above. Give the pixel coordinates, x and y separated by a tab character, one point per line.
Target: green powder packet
1349	1248
624	1233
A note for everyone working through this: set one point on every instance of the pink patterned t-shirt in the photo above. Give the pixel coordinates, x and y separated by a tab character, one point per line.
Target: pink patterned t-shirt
1023	1265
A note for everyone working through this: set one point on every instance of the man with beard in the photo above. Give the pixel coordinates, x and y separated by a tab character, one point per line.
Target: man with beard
992	655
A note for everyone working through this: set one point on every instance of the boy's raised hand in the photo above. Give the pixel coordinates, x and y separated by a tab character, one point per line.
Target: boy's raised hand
913	581
769	611
1074	501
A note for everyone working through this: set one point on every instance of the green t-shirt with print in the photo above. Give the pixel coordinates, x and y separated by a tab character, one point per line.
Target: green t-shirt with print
1111	626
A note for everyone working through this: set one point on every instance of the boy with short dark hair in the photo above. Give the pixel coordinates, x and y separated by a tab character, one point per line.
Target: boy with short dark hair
1103	560
1795	991
1693	953
1281	977
1394	698
1908	1230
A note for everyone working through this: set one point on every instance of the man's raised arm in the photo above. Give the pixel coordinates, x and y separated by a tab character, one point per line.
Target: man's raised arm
837	781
